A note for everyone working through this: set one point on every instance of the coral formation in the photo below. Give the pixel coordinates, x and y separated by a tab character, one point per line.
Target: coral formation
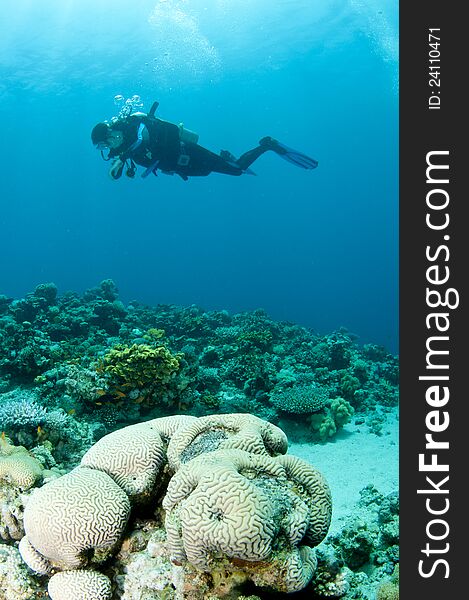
300	399
169	426
76	518
231	507
17	413
242	431
131	456
91	585
389	590
17	467
316	495
165	358
333	417
20	470
139	365
12	501
330	580
35	561
77	371
244	513
15	582
27	422
364	554
213	509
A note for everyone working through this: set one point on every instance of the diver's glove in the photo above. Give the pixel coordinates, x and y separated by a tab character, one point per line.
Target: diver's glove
116	170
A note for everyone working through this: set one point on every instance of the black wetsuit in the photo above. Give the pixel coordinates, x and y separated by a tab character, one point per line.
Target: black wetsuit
165	151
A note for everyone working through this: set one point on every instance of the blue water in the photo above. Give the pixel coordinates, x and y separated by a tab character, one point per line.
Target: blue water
316	247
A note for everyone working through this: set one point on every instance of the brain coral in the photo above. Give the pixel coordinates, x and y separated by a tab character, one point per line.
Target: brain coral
17	467
234	506
11	516
298	569
35	561
241	431
132	456
168	426
74	515
79	585
231	506
317	496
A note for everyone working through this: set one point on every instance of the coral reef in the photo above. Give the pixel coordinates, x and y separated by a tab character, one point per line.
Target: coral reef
389	590
364	555
115	364
243	515
15	581
79	374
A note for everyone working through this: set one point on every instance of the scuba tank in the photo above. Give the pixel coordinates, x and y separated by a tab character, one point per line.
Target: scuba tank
186	135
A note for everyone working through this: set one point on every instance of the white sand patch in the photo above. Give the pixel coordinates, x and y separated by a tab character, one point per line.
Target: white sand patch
353	460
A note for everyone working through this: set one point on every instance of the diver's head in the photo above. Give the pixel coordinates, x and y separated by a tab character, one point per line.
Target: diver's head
104	135
99	135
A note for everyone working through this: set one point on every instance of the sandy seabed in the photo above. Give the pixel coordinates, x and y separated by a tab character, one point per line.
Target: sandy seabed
353	460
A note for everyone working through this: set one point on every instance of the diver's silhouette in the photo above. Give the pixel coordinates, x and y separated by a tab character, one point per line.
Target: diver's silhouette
145	140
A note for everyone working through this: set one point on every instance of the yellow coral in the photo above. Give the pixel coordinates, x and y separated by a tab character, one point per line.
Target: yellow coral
154	334
140	364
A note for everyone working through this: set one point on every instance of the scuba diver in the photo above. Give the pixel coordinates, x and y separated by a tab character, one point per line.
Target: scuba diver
145	140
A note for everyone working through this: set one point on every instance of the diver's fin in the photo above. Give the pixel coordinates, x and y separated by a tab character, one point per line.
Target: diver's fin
297	158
